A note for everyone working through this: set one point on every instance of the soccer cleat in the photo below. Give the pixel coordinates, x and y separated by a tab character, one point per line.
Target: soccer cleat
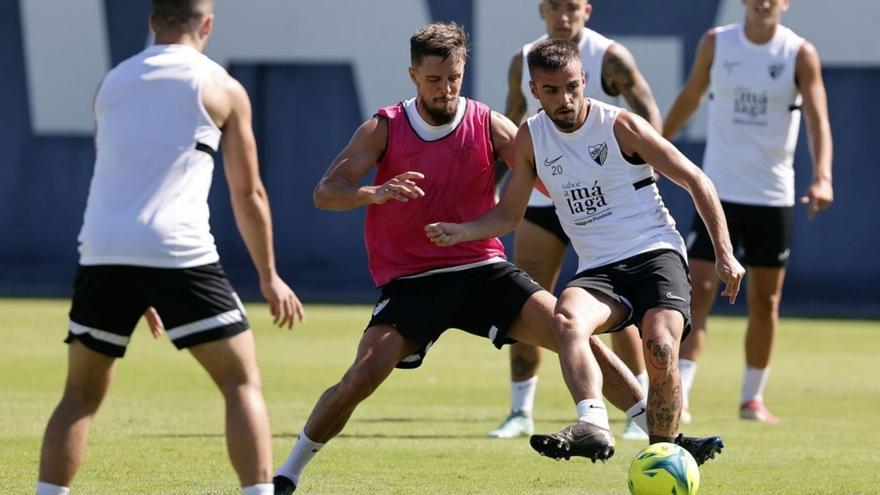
283	485
632	431
756	410
685	416
581	439
702	448
517	424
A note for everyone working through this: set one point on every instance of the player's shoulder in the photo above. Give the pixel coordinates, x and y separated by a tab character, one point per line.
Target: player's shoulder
524	50
723	30
596	37
392	111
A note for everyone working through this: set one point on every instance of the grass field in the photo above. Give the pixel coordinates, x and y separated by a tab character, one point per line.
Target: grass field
161	429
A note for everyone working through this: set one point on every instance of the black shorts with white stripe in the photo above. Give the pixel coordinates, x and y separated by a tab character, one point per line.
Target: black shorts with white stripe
197	305
654	279
483	301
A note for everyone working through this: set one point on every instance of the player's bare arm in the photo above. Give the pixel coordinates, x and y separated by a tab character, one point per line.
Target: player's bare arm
621	75
508	213
688	100
637	137
250	203
516	105
808	71
339	189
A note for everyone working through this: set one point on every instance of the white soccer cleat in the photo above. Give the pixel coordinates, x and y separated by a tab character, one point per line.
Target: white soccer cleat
633	431
685	418
518	424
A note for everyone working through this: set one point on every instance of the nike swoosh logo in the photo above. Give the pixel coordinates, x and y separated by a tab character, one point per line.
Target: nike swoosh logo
379	307
638	413
670	295
547	162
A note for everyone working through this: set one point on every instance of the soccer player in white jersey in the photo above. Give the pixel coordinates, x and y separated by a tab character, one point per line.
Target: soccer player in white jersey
146	243
760	75
539	242
632	266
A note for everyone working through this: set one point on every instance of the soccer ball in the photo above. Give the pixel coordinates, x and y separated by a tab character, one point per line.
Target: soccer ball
664	469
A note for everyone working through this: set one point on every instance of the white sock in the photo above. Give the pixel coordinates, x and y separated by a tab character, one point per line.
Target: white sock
638	413
522	395
593	411
300	455
44	488
643	381
258	489
688	371
754	380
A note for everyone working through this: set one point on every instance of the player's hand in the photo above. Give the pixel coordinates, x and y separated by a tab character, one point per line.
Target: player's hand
731	273
154	322
283	303
401	188
445	234
819	196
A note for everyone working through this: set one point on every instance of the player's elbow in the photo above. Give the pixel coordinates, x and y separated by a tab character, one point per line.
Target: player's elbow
246	195
320	198
698	183
509	221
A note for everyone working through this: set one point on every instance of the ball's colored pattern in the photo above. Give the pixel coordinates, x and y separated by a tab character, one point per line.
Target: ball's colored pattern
664	469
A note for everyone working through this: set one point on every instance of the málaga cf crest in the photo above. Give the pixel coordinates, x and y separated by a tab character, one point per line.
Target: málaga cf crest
599	152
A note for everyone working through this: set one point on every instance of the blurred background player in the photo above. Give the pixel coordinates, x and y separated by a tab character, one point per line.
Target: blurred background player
146	242
760	76
539	242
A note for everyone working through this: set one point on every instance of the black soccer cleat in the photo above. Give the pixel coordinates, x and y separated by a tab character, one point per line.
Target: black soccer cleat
581	439
283	485
702	448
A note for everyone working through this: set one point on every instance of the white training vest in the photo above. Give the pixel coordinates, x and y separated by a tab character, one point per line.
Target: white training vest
148	201
609	208
754	117
592	46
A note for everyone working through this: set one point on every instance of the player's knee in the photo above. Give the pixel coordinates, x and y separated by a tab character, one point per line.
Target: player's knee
661	348
763	303
237	379
565	326
81	400
703	291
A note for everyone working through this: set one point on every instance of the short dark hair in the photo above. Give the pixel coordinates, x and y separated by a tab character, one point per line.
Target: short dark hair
442	39
179	15
552	55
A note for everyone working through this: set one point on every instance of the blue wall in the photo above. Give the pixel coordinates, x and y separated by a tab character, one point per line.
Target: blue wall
304	114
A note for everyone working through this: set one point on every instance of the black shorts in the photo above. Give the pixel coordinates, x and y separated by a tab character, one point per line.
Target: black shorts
761	235
656	279
546	218
483	300
197	305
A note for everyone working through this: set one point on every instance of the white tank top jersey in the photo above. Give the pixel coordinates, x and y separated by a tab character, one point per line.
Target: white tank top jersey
610	208
754	117
148	201
592	46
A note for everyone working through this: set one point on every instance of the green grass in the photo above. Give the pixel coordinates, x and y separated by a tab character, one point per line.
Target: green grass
161	428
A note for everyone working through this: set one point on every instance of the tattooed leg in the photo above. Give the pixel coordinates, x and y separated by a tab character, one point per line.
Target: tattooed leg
661	330
525	360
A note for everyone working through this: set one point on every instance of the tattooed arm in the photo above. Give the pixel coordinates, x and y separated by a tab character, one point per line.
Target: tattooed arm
621	76
516	106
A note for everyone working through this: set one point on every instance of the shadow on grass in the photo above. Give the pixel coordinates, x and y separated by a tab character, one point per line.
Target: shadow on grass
546	424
